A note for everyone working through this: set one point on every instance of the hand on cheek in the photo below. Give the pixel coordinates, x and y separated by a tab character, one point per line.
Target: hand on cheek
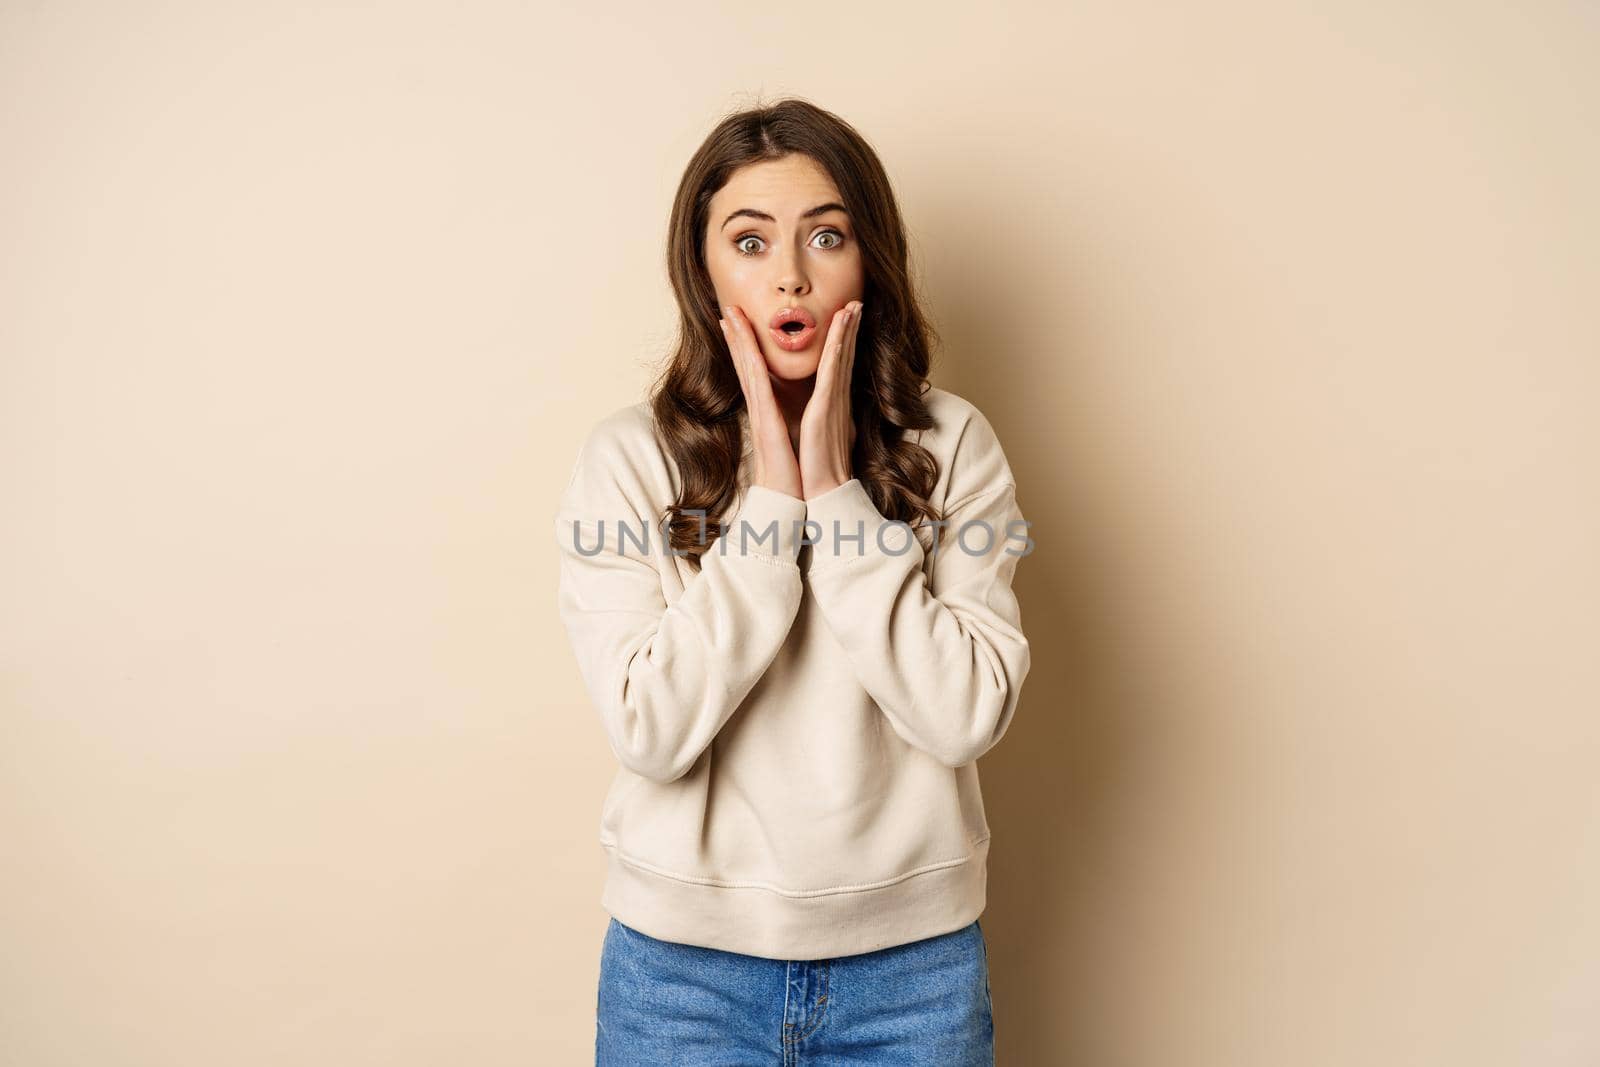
828	428
775	466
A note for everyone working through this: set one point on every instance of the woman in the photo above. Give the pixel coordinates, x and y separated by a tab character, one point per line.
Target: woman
787	581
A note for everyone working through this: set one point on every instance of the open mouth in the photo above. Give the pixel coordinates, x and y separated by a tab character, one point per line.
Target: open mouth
792	319
792	328
793	336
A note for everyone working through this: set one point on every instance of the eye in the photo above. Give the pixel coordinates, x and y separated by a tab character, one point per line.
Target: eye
739	243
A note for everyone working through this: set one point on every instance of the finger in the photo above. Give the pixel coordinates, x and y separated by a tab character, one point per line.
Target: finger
760	402
844	359
830	350
848	366
736	357
847	363
847	351
755	363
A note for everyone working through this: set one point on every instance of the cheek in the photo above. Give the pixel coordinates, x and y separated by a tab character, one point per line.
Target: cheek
725	284
739	276
846	274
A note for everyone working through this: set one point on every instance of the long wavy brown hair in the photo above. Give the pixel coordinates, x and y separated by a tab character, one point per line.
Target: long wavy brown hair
696	400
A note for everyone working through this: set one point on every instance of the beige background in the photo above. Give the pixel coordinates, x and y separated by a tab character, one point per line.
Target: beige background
1285	313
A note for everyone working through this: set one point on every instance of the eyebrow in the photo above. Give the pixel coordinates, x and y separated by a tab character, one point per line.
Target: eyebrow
753	213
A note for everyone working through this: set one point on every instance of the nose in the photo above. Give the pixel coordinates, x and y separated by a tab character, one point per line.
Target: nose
792	280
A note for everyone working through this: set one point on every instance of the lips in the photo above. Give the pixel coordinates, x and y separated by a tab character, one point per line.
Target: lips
802	328
792	314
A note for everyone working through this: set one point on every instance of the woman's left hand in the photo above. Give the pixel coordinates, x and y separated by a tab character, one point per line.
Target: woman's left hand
828	429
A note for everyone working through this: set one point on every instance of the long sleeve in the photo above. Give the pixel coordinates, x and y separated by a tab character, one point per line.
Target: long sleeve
666	678
944	659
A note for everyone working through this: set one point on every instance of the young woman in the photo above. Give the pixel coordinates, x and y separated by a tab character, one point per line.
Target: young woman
787	579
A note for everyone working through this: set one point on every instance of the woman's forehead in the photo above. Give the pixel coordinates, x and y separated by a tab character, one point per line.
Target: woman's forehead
777	187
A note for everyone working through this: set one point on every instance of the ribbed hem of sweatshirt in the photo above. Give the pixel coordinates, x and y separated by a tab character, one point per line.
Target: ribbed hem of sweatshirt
852	527
765	510
758	921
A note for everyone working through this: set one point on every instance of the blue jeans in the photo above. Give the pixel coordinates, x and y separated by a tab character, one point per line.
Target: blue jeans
666	1003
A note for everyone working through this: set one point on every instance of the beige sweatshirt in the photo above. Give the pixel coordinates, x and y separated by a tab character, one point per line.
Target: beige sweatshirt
796	723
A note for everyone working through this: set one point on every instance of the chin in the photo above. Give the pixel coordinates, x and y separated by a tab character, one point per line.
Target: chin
793	366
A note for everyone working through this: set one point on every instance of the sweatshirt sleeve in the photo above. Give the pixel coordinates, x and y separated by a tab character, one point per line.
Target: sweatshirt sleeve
666	678
944	659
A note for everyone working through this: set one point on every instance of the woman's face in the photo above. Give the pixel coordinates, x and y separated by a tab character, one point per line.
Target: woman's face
768	249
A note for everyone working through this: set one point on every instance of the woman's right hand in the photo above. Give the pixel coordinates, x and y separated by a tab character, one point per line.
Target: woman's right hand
776	467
